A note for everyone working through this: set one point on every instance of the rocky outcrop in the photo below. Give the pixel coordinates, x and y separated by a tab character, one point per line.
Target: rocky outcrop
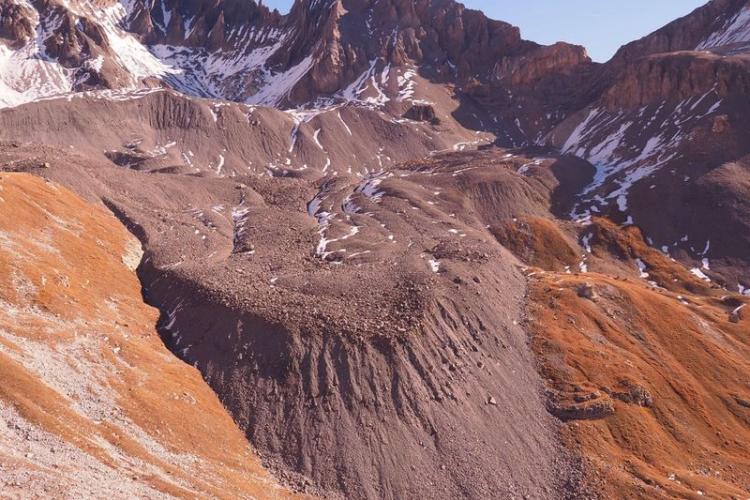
670	106
422	113
356	276
677	77
678	61
243	51
211	25
558	59
16	23
66	38
344	40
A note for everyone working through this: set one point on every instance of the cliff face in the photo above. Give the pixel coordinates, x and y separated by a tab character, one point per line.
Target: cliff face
214	25
699	53
664	116
558	59
676	77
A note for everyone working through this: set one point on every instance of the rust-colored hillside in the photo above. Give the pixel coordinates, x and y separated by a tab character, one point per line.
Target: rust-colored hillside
91	402
652	384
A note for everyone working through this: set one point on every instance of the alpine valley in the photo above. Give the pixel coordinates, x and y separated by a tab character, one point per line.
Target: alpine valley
370	249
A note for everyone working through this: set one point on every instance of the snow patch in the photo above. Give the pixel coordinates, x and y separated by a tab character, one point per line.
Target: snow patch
700	274
642	268
434	265
735	30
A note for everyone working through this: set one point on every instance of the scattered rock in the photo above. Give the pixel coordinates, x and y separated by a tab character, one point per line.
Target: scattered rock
586	291
720	125
737	315
422	113
634	394
595	409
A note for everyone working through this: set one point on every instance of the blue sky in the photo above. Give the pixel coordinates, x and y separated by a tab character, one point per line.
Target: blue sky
601	26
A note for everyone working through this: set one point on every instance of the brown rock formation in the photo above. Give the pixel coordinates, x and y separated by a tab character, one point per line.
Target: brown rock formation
15	23
677	77
683	34
558	59
350	275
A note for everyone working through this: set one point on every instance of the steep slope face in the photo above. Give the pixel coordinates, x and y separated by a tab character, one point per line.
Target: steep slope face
213	25
668	137
57	48
338	48
50	48
91	403
394	315
454	42
350	325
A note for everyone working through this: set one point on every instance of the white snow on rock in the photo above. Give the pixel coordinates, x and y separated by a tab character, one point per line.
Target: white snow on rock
736	30
316	138
407	85
28	73
369	79
369	186
614	143
346	127
434	265
700	274
132	54
642	268
586	242
279	85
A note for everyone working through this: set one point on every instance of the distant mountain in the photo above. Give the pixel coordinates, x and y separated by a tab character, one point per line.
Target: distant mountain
669	115
321	52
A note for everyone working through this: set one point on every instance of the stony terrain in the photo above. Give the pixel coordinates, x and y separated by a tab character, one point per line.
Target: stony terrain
411	253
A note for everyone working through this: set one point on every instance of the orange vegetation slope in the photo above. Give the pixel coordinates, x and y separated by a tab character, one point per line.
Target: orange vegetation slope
91	403
653	384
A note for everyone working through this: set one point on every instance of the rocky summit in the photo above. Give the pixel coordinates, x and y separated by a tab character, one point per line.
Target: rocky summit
370	249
